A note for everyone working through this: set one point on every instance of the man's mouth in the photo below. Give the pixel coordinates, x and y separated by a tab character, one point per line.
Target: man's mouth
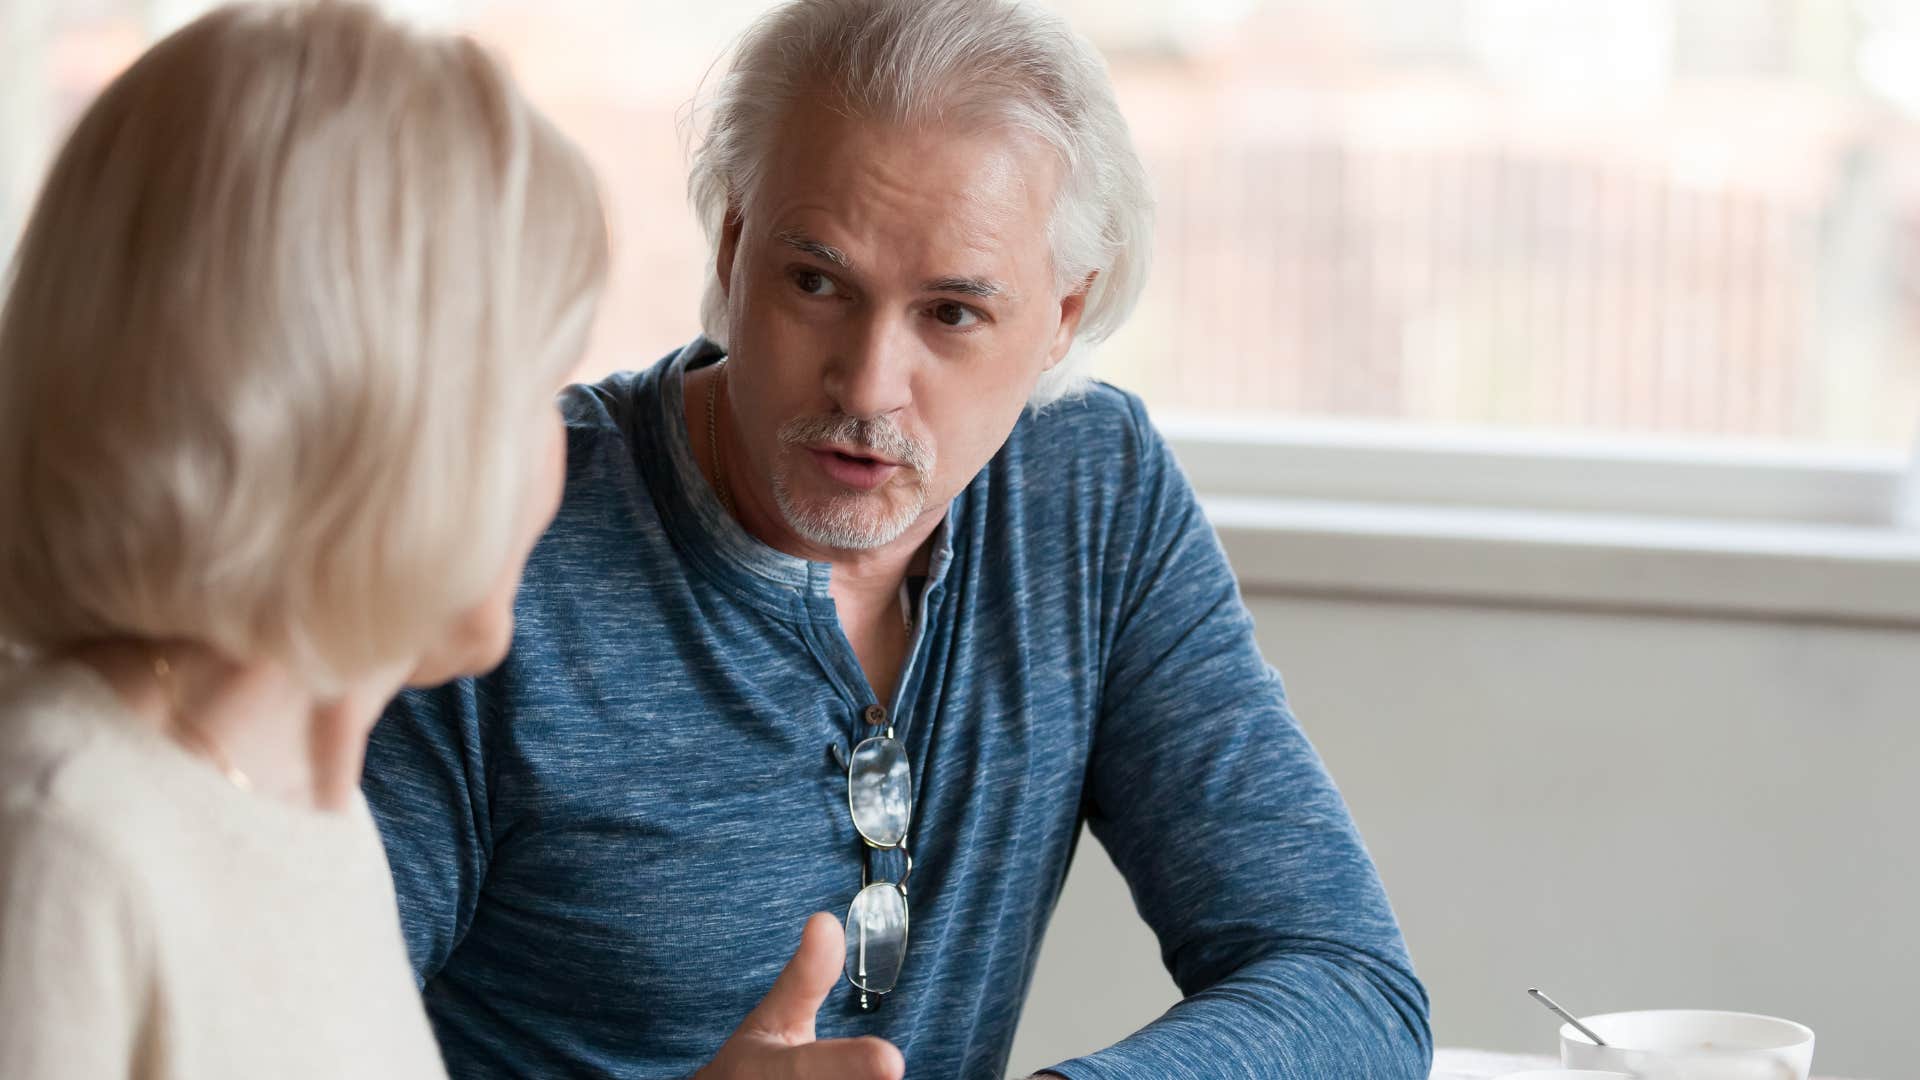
853	467
856	455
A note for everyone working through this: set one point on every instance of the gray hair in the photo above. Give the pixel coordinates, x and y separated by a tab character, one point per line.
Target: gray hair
907	61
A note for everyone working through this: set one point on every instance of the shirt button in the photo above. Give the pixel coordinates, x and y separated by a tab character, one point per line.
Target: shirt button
876	715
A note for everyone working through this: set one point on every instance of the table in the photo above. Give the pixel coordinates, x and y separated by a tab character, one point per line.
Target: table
1450	1064
1458	1064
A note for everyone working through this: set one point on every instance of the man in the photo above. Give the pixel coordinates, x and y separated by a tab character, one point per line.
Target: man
839	593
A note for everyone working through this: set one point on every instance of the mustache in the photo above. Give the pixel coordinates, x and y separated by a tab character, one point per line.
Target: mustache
881	436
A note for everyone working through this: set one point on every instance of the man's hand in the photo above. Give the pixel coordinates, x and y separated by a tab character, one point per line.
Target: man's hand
775	1041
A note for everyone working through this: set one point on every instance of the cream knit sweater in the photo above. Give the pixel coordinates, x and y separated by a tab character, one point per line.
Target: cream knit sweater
158	923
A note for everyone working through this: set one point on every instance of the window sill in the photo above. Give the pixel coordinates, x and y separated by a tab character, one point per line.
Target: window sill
1855	574
1631	524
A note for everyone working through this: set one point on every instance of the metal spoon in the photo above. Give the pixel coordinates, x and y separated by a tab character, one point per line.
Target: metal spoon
1565	1015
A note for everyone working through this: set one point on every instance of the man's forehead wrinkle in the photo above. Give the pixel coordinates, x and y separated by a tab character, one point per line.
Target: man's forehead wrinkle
968	227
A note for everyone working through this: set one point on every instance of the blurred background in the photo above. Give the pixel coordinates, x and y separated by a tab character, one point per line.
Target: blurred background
1550	368
1679	217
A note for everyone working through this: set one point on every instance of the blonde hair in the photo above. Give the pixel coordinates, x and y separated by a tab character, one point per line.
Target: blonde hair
914	61
276	338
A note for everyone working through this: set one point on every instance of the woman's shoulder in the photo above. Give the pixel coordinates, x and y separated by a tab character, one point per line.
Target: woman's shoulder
74	927
50	716
68	769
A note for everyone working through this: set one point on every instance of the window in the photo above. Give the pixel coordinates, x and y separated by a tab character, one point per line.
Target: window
1692	219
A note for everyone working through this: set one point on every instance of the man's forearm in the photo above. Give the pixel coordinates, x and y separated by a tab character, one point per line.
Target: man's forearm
1301	1015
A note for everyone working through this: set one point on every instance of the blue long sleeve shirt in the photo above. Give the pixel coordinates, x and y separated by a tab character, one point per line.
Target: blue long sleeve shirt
604	850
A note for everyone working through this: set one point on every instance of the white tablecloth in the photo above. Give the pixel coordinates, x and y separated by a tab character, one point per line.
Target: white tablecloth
1482	1064
1455	1064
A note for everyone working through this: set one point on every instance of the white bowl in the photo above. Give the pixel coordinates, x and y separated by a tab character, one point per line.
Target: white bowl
1692	1044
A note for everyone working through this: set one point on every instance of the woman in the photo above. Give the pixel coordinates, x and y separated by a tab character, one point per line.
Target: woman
276	437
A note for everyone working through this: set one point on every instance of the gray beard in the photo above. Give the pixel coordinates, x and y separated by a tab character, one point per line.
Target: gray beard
845	523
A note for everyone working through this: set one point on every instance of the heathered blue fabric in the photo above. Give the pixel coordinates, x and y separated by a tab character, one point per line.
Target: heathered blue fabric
604	851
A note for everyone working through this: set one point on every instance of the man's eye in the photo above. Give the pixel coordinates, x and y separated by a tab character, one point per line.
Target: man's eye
958	316
814	283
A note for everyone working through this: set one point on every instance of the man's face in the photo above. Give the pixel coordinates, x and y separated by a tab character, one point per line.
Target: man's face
891	305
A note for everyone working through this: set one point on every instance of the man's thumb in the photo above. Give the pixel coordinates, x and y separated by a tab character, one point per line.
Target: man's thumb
788	1009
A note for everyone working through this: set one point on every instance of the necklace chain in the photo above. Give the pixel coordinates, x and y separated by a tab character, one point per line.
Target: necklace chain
713	437
177	721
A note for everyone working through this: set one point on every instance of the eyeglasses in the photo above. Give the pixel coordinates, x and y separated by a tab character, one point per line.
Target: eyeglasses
880	797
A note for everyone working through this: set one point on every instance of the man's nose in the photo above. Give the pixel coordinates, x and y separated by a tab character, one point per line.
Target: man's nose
871	374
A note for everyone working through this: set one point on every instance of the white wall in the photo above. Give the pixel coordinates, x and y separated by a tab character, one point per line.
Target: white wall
1633	811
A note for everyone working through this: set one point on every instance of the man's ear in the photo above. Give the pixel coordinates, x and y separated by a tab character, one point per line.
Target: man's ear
729	246
1072	307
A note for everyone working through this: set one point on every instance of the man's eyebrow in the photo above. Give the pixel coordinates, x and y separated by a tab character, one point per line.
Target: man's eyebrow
980	287
805	244
983	288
